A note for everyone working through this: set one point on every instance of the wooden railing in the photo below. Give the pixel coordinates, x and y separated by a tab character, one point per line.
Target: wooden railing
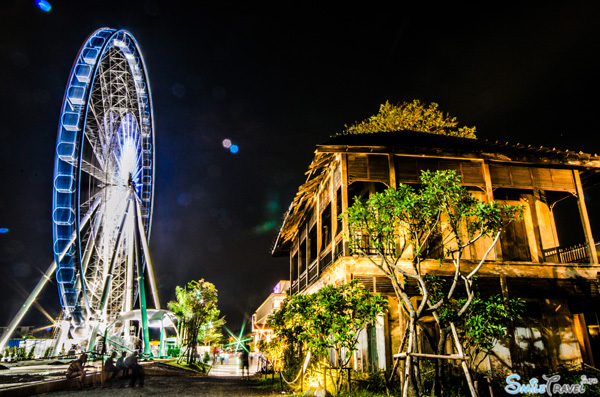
576	253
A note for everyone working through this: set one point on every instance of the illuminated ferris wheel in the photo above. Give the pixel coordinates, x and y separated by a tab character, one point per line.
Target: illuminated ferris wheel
103	184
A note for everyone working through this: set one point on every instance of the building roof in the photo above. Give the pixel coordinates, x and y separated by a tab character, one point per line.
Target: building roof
412	143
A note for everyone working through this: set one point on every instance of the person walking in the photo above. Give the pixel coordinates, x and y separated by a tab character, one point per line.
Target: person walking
245	362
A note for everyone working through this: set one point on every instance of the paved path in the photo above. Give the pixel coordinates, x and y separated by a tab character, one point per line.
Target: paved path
223	380
218	386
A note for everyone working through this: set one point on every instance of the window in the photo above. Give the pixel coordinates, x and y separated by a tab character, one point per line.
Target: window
338	206
302	258
326	227
312	244
294	267
372	359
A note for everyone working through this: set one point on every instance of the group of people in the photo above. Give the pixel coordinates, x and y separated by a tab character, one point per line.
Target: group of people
124	363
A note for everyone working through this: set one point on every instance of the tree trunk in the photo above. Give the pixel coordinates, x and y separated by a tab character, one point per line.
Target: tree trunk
409	388
438	389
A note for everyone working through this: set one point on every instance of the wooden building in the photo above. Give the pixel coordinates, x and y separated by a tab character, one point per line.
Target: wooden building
559	283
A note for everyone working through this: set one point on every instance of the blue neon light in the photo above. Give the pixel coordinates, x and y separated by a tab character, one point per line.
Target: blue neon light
43	5
3	230
234	148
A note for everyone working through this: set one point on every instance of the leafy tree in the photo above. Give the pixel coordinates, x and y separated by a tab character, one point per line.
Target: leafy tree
195	307
414	116
483	324
405	227
210	333
329	319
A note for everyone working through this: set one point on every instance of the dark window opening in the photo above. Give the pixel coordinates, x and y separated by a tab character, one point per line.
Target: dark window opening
302	257
338	206
294	267
326	227
363	190
372	359
312	244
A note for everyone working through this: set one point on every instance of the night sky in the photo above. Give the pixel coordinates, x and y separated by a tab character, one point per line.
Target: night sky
275	86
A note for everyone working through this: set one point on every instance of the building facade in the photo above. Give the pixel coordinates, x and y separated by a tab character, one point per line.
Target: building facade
548	258
260	327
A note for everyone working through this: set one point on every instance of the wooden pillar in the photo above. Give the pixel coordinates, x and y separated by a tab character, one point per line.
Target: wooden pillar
318	225
489	194
392	167
344	165
585	220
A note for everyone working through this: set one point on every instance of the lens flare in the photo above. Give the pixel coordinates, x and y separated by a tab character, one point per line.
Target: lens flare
43	5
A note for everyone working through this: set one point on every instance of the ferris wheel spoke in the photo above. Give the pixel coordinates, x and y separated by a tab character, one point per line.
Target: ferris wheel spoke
89	249
93	171
93	140
109	274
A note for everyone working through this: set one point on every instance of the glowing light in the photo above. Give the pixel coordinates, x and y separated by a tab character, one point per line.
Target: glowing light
3	230
238	342
227	144
43	5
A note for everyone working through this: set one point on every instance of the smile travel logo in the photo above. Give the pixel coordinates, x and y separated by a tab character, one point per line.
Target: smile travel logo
550	385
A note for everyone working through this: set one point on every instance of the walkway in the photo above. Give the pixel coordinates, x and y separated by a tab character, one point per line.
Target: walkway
161	380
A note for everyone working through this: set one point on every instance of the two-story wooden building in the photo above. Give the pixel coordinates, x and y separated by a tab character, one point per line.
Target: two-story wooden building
559	283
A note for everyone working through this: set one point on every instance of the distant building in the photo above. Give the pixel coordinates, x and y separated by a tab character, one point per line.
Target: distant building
558	282
260	328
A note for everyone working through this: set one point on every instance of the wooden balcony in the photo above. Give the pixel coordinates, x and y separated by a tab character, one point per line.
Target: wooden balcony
576	253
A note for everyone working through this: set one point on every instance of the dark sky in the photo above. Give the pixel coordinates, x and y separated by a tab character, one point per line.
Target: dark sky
275	85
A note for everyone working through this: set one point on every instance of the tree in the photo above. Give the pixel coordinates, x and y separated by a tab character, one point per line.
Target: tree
329	319
195	307
413	116
483	324
210	332
406	228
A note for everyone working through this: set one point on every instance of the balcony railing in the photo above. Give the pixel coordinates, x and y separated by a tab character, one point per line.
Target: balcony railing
576	253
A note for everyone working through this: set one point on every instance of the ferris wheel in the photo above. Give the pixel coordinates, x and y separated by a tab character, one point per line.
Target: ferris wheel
103	184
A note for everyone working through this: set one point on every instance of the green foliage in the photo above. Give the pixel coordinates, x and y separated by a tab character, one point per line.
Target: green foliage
439	220
196	310
413	116
331	318
274	349
210	332
484	321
